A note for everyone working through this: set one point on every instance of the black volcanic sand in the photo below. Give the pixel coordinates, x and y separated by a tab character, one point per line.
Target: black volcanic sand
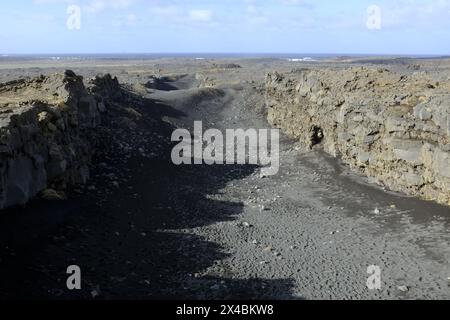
220	232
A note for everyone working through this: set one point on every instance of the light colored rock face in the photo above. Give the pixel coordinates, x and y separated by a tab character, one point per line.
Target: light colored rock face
390	127
45	142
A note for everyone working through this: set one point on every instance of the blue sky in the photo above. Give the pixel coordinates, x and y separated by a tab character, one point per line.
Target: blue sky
251	26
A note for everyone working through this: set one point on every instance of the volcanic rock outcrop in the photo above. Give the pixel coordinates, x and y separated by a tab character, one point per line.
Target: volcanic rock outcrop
390	127
46	128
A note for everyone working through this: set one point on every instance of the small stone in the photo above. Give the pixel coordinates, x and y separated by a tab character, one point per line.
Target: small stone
101	107
95	293
43	116
376	211
52	195
403	288
52	127
215	287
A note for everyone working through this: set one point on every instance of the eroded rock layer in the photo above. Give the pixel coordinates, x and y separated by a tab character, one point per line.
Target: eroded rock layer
390	127
46	127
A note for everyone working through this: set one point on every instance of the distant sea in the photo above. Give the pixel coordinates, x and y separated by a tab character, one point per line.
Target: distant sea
200	56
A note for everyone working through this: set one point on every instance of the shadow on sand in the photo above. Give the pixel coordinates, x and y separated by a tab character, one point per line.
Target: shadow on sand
134	244
162	84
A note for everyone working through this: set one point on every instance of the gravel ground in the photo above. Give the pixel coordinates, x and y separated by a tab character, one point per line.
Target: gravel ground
162	231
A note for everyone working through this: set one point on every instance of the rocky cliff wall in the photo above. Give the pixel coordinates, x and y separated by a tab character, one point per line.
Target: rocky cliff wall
46	133
387	126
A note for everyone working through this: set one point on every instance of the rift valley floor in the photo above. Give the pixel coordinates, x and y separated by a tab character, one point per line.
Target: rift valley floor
143	228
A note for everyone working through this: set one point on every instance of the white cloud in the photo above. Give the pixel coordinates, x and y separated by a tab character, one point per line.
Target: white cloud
121	4
415	14
167	12
92	6
200	15
296	2
179	15
95	6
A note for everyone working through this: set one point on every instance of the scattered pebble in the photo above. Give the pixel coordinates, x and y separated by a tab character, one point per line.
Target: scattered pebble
403	288
52	195
95	293
246	225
